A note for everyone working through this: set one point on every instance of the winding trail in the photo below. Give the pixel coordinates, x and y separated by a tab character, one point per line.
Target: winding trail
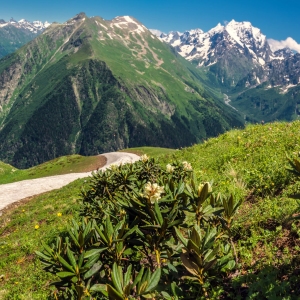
13	192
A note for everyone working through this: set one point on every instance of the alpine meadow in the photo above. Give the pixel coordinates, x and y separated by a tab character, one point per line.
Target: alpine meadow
208	207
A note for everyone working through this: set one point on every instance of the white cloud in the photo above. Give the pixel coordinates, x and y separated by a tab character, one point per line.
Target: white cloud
288	43
156	32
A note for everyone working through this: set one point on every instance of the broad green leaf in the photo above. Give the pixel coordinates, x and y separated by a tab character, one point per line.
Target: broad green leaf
65	264
158	213
115	276
188	264
166	295
71	258
154	279
86	230
65	274
210	264
95	268
74	239
42	255
127	276
180	188
109	230
113	294
138	278
91	261
93	252
100	232
171	267
129	232
99	288
202	196
47	248
181	237
195	237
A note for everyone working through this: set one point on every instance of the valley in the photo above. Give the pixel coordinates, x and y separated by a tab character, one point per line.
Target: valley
193	140
88	86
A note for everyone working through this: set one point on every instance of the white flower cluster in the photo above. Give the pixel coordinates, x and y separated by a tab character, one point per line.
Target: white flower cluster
144	158
187	166
153	191
170	168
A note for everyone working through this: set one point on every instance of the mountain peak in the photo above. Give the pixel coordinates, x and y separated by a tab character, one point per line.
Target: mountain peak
129	23
79	17
218	28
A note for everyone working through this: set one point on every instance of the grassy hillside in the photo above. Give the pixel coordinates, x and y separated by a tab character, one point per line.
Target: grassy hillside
249	163
62	165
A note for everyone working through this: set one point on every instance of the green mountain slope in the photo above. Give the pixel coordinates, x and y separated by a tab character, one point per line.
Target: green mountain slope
90	85
269	104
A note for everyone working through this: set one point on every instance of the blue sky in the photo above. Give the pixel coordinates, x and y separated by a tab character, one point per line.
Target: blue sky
276	19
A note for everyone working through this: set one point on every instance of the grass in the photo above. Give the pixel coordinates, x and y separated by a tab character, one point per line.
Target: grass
62	165
155	152
249	163
22	228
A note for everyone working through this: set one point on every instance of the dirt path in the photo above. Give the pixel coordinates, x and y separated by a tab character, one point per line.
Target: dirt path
12	192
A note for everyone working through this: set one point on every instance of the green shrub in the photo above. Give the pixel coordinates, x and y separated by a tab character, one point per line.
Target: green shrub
145	232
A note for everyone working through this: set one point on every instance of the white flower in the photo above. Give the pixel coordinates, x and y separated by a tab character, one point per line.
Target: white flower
170	168
144	158
153	191
187	166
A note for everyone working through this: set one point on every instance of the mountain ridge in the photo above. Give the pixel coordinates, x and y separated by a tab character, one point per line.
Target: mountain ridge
15	34
90	86
238	60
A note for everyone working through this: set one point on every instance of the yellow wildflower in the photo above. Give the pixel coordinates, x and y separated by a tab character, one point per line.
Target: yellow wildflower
59	214
36	226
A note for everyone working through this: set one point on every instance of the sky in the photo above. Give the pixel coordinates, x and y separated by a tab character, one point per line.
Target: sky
278	20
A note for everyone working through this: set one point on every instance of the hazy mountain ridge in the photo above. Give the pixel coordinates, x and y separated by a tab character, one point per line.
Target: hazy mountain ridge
15	34
35	26
90	86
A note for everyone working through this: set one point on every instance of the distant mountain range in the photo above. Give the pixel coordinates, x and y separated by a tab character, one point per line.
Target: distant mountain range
236	49
15	34
262	84
90	86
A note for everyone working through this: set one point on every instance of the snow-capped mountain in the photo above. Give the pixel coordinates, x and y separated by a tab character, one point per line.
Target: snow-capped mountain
237	53
34	27
14	34
208	47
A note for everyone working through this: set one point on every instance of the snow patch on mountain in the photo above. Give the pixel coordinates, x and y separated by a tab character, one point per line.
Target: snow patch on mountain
34	27
127	22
